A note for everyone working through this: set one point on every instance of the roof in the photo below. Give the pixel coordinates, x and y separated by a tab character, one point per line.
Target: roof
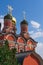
8	16
32	39
29	38
24	22
20	56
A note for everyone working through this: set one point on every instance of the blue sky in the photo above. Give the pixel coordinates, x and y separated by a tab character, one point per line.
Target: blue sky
34	16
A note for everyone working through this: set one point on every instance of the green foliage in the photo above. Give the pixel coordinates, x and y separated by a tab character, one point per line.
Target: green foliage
7	56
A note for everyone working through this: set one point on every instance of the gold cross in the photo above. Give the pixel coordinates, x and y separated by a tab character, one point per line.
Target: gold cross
24	14
10	9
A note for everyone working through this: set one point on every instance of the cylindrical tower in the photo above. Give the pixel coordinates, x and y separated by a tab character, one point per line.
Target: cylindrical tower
7	22
24	29
24	26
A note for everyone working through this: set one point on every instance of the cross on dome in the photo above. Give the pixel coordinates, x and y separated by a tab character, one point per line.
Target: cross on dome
10	9
24	15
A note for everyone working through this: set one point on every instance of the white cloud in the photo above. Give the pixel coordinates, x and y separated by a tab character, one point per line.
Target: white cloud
35	24
39	49
1	16
31	32
37	34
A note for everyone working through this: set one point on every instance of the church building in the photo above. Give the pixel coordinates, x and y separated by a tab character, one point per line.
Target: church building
24	44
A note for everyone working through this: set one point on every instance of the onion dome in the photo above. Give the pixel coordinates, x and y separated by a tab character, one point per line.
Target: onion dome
8	16
24	22
13	20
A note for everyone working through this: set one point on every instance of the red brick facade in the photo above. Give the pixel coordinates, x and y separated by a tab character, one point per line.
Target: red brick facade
22	42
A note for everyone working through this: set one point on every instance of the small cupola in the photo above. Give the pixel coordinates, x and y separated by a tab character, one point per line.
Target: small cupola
8	16
24	22
24	26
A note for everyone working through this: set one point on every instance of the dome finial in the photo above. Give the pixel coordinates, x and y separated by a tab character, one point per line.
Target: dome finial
10	9
24	15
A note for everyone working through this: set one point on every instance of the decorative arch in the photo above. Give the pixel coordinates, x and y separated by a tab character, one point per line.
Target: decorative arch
11	39
29	45
21	43
33	59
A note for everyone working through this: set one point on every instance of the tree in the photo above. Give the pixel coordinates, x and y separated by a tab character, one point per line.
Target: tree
7	56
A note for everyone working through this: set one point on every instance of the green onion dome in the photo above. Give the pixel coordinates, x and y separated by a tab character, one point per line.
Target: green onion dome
8	16
24	22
